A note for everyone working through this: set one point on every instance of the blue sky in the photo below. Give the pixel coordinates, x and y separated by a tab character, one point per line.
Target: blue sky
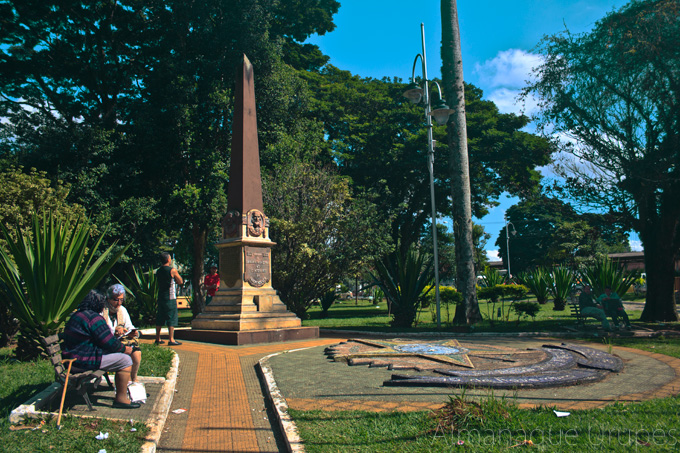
380	38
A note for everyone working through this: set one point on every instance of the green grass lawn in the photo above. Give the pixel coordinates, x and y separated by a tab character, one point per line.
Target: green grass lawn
364	315
21	380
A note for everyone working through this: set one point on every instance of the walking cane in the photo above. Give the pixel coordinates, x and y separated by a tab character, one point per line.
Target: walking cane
63	394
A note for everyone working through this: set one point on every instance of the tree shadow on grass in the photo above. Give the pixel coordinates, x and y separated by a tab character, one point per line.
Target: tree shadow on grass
19	396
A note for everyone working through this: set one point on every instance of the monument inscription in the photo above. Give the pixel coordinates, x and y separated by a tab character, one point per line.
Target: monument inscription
257	268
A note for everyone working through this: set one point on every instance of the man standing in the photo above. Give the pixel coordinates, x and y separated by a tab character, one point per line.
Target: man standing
167	299
211	283
614	307
590	308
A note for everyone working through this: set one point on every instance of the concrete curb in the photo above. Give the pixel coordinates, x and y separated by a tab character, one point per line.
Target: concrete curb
347	333
159	413
288	428
32	407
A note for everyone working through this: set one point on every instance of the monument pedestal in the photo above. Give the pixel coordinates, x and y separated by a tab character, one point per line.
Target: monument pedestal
237	338
246	309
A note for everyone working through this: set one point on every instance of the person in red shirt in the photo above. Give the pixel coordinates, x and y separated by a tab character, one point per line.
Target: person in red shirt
211	283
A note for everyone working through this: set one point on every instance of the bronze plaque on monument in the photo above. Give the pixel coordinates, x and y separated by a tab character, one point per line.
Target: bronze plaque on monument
257	266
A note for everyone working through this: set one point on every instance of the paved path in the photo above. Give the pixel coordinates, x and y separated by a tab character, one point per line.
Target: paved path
225	407
226	410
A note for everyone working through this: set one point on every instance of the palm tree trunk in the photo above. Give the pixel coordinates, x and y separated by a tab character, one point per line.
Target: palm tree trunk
452	79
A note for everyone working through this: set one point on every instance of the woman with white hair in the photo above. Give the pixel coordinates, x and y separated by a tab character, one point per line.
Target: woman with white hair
118	320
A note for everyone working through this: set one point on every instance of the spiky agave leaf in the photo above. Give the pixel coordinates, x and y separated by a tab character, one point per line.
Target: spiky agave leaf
48	274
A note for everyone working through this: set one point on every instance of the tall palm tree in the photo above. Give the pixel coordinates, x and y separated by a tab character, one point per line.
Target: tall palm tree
452	79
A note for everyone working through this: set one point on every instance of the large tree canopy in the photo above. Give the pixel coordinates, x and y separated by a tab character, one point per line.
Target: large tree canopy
616	93
130	102
547	232
379	140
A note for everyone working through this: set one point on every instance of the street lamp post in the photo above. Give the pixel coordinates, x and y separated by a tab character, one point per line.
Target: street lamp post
441	112
507	243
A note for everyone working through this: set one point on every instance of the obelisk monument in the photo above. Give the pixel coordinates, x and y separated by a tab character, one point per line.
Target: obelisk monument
246	309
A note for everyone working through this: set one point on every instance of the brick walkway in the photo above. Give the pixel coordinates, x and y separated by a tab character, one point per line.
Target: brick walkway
226	411
225	407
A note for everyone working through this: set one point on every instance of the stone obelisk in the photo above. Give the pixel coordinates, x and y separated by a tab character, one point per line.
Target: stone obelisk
246	309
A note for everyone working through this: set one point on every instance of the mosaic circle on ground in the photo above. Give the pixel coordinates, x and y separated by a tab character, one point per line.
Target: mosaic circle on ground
448	363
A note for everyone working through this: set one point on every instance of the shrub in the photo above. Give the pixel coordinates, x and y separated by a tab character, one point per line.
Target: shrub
525	309
448	297
327	300
492	294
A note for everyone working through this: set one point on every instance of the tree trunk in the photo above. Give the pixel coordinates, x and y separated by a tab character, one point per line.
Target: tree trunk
659	265
200	235
452	79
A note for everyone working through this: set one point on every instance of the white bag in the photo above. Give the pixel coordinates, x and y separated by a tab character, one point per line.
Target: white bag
137	392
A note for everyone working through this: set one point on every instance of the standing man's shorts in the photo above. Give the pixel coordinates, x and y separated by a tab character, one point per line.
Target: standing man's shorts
167	313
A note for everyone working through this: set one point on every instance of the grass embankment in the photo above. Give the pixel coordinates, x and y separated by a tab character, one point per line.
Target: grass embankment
21	380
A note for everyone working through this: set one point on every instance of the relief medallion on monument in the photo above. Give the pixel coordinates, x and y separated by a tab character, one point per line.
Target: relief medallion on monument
257	268
230	224
256	223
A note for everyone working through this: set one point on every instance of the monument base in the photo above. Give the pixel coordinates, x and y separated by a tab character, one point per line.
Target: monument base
244	337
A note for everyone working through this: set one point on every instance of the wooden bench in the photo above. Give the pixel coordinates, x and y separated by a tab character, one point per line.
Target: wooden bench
82	380
576	312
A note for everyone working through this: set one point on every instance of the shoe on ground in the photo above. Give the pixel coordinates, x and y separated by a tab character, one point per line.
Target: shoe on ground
118	405
174	343
159	342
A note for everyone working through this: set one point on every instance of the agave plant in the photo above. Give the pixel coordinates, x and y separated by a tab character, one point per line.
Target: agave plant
561	283
143	286
491	277
403	278
606	273
538	282
48	274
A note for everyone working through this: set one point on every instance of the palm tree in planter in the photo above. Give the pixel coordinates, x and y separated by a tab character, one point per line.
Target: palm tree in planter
47	274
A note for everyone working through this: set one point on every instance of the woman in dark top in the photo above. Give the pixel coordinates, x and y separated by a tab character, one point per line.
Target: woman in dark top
88	339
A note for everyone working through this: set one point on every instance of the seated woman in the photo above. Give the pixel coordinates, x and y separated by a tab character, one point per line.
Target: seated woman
119	322
614	307
88	339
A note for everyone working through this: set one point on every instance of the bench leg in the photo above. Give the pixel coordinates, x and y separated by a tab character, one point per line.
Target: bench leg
86	397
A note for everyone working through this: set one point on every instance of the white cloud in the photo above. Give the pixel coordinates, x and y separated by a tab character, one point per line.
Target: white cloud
635	246
504	76
510	68
493	255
